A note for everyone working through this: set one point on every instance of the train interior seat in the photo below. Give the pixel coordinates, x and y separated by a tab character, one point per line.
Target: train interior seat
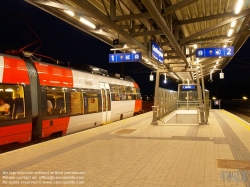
10	101
18	111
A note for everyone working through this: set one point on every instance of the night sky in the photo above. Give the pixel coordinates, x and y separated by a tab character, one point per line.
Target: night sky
66	43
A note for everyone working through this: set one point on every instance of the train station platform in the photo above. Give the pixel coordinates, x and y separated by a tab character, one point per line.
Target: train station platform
132	152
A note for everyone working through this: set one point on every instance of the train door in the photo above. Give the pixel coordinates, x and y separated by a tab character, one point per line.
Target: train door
106	104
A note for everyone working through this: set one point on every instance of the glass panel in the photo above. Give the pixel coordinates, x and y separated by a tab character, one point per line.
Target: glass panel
55	101
12	105
108	99
76	103
103	100
114	92
122	93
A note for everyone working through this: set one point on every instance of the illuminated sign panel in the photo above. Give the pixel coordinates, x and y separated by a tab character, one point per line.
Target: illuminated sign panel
155	52
188	87
215	52
124	57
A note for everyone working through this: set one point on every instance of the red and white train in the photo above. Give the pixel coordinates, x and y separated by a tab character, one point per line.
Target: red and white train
80	100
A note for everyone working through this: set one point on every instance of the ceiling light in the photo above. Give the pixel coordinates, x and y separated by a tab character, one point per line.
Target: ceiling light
87	22
233	24
230	32
238	6
195	46
217	62
69	12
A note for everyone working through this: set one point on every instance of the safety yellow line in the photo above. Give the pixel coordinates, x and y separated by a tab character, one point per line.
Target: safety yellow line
238	120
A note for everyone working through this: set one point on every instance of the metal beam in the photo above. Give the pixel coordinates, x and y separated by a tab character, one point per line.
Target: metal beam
147	33
206	18
62	6
169	51
85	5
122	26
212	28
177	6
165	43
212	38
162	24
112	9
145	15
173	62
171	57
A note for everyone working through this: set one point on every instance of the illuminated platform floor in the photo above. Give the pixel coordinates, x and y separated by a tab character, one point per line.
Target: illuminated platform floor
132	153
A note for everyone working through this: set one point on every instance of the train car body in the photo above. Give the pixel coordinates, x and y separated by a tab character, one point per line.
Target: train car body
45	99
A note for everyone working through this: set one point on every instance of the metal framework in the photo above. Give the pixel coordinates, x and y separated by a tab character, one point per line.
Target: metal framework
176	25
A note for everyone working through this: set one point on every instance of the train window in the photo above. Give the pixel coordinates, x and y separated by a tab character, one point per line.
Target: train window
92	102
108	99
76	103
130	94
103	100
122	93
114	92
12	105
138	93
56	100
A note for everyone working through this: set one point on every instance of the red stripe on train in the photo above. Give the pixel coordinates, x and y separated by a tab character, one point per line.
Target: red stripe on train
15	71
15	133
55	125
50	75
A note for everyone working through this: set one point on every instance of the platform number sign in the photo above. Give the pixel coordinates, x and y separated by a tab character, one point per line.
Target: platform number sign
215	52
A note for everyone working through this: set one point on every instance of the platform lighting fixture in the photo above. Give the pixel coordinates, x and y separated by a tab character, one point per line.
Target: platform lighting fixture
224	46
233	23
230	32
195	46
69	12
238	6
134	51
217	62
87	22
125	46
219	56
213	97
244	97
165	80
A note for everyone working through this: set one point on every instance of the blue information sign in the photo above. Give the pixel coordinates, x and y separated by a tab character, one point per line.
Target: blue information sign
188	87
155	51
215	52
124	57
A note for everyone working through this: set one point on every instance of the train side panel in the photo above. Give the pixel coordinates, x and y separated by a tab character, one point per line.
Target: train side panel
55	78
14	81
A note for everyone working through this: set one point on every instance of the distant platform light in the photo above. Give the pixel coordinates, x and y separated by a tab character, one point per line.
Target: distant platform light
244	97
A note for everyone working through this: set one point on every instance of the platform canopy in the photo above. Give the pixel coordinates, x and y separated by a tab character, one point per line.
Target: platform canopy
178	27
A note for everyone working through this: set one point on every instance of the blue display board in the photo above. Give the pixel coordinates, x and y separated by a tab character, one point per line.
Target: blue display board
155	51
124	57
215	52
188	87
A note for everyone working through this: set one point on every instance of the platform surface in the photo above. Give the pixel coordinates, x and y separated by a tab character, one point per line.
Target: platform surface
132	152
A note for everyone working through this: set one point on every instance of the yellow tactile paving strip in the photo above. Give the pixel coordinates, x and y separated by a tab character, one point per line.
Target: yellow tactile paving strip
151	156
